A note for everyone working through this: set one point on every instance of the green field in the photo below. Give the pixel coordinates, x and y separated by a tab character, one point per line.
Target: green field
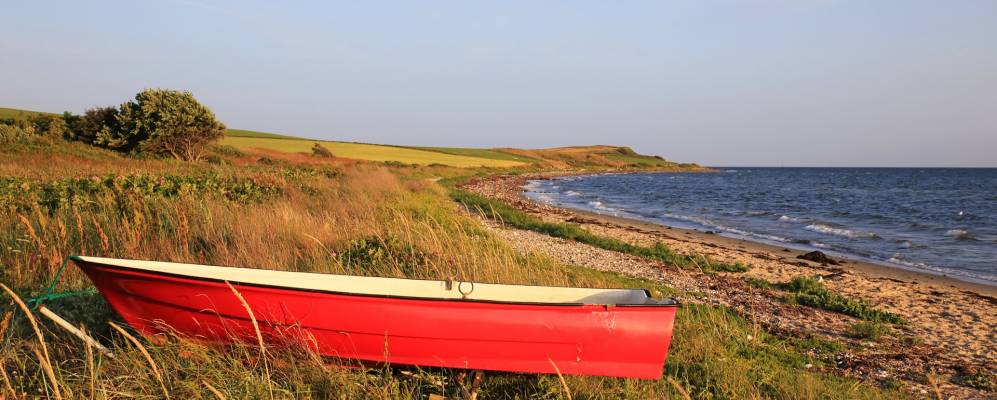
16	113
256	134
481	153
370	152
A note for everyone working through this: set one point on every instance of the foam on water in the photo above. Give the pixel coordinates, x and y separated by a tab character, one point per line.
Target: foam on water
960	234
849	233
712	225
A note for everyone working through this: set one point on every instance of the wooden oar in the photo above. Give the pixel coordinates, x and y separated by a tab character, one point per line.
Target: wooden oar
62	323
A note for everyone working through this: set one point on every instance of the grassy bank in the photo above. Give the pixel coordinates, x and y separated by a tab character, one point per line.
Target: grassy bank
499	211
297	213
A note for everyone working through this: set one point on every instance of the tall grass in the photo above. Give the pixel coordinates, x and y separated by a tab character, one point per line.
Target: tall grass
365	220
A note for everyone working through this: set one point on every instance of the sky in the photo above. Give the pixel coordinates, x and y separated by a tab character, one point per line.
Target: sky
724	83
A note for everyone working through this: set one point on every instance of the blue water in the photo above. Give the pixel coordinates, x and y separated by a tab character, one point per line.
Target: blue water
938	220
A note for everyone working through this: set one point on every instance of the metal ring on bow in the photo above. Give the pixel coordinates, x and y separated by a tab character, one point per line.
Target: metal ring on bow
460	288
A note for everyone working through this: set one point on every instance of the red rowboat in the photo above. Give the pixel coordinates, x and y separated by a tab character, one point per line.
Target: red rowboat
536	329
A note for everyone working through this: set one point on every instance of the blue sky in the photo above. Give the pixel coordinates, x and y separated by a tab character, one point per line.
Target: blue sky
751	82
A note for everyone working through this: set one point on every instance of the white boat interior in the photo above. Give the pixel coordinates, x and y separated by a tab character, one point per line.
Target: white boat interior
390	287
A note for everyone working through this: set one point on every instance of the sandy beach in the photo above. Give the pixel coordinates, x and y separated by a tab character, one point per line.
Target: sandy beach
951	325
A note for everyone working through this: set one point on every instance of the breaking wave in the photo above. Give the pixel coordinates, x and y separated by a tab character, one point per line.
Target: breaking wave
960	234
599	206
849	233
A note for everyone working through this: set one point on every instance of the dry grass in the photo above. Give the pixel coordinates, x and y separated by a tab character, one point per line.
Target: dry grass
148	357
259	336
43	358
365	220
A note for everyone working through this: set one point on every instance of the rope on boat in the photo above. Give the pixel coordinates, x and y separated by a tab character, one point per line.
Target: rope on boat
50	294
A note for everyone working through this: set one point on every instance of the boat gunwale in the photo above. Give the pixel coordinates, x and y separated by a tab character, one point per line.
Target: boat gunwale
664	302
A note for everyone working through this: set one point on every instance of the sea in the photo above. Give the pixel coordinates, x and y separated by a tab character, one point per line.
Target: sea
937	220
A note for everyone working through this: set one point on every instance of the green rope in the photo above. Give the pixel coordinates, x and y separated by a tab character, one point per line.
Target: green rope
50	293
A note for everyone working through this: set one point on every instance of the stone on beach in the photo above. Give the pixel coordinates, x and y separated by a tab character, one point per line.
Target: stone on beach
818	257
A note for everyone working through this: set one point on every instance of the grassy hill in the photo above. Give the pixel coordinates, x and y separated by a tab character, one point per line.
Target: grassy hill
575	157
579	157
360	151
18	113
256	134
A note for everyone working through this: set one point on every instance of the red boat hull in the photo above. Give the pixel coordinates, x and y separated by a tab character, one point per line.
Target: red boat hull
621	341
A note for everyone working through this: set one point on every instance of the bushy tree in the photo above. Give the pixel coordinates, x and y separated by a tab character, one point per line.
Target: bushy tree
159	121
32	128
97	121
320	151
12	134
49	125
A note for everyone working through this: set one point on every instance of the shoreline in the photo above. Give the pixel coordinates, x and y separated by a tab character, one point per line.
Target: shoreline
949	328
881	269
871	267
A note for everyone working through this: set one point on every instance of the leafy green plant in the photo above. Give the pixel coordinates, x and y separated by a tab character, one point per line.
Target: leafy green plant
759	283
21	194
981	380
868	330
809	292
388	252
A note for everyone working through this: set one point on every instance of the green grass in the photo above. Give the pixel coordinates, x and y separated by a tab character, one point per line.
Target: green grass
496	210
810	292
370	152
256	134
493	154
17	113
719	355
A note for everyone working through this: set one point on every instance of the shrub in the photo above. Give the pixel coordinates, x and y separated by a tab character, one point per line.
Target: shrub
320	151
759	283
96	122
810	292
50	125
399	164
214	159
390	252
868	330
226	150
981	380
10	134
267	160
